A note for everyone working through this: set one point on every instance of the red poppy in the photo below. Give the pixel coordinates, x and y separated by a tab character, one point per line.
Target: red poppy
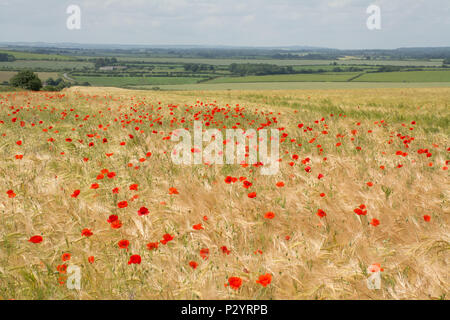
35	239
117	224
247	184
86	233
115	190
91	259
10	194
173	191
321	213
360	211
280	184
265	279
204	253
234	282
143	211
269	215
193	264
370	184
66	257
197	226
375	222
152	245
75	194
166	238
225	250
135	259
112	218
134	187
122	204
94	186
252	195
123	244
427	218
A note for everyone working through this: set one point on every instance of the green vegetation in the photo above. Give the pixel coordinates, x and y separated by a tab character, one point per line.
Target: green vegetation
411	76
26	79
167	68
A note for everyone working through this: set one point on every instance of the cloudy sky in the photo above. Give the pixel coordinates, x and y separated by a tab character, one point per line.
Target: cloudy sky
325	23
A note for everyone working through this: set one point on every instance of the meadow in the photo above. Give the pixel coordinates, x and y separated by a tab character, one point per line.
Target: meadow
87	180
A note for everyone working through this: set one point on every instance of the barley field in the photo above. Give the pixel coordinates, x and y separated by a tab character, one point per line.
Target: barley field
87	181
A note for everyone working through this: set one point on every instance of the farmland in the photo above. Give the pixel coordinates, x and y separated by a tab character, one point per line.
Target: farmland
88	181
209	69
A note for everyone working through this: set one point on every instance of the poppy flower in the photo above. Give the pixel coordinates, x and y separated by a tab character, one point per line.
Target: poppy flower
360	211
265	279
91	259
375	222
204	253
375	267
234	282
269	215
152	245
86	233
94	186
10	194
427	218
134	187
252	195
320	176
321	213
35	239
280	184
115	190
197	226
66	257
225	250
122	204
173	191
117	224
193	264
247	184
123	244
112	218
135	259
75	194
166	238
111	175
370	184
143	211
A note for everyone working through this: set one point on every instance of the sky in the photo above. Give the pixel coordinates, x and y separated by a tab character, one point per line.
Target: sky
337	24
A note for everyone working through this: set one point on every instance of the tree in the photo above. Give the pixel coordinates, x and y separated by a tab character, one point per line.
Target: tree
26	79
447	61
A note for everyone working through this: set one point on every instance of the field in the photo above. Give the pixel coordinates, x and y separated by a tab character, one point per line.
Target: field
130	81
296	85
411	76
323	77
7	75
87	181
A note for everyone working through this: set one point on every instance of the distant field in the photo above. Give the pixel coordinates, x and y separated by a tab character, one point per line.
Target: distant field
7	75
36	56
342	76
410	76
283	62
132	81
47	65
297	85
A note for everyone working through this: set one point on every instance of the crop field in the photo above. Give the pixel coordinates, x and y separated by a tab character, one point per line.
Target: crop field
7	75
296	85
129	81
410	76
321	77
45	65
36	56
88	182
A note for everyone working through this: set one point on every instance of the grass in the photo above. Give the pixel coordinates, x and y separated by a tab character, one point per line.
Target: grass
7	75
38	65
19	55
322	77
296	85
410	76
323	258
130	81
